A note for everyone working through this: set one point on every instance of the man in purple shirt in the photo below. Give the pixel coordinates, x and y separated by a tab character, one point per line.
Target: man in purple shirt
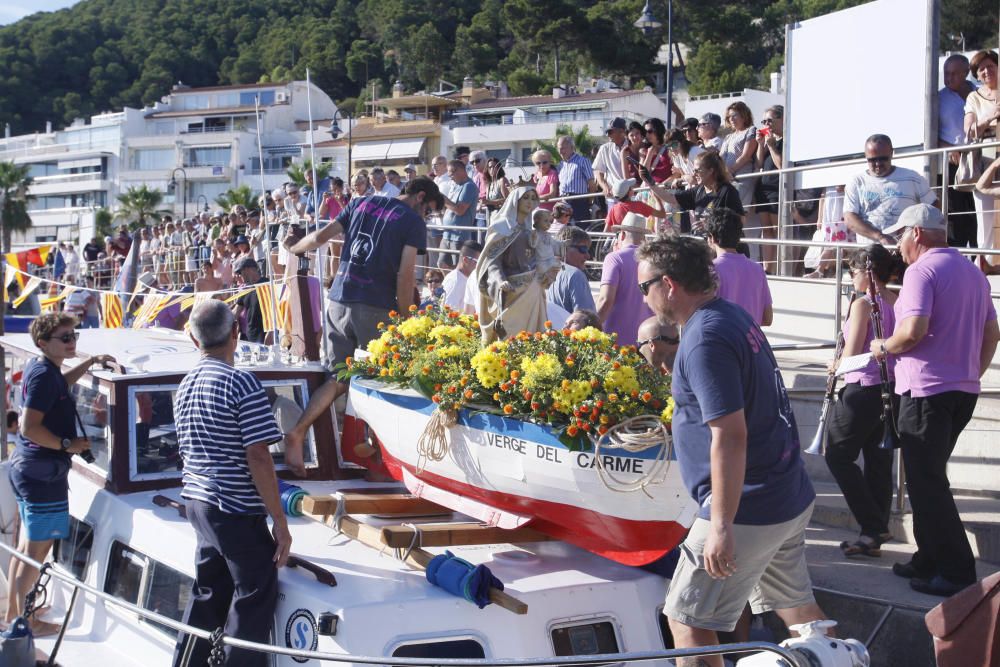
946	334
741	280
620	304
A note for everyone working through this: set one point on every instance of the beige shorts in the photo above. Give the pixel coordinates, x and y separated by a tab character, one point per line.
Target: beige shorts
771	573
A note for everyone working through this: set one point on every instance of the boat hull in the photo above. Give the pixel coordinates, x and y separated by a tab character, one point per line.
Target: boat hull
518	472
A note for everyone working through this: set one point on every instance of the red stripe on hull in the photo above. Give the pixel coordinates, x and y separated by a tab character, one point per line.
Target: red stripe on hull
623	540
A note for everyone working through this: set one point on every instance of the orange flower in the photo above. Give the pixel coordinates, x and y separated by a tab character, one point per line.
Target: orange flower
646	396
496	396
437	387
452	389
604	419
612	398
429	306
586	427
572	431
468	394
504	386
393	313
436	398
349	361
396	357
548	324
425	370
602	429
412	309
515	374
535	405
527	395
508	409
616	365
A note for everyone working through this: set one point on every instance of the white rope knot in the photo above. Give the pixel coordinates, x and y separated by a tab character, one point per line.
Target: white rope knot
433	442
634	435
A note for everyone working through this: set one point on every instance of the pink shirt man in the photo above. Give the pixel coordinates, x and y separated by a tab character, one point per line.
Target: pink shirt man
743	282
629	309
930	286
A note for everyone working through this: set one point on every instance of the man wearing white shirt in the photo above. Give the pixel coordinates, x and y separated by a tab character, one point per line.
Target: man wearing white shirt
607	165
456	281
383	188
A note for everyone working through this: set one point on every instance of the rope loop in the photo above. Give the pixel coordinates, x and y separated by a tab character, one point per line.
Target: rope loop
634	435
433	442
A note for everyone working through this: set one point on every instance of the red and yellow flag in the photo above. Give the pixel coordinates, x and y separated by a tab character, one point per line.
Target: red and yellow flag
111	307
267	314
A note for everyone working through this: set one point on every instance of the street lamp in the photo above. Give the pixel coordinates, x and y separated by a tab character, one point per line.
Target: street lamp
335	132
200	197
172	187
648	24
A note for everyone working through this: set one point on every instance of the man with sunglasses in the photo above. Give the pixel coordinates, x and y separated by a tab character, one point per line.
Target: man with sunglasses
658	343
737	445
874	198
571	290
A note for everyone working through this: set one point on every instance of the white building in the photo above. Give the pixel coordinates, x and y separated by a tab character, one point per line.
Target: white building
204	139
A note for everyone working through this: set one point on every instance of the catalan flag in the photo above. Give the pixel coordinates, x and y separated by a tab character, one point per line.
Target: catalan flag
267	314
111	307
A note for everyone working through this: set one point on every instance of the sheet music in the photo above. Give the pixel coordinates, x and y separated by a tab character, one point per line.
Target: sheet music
854	363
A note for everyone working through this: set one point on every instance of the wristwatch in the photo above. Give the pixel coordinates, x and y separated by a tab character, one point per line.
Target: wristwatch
66	444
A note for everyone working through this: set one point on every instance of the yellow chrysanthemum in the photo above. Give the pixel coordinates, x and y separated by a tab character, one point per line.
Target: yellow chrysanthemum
379	346
448	351
570	394
540	370
449	333
667	415
489	369
622	379
416	326
591	334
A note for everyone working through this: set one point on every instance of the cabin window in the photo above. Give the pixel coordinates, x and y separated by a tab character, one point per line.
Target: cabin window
96	415
73	552
141	580
464	648
585	638
153	437
288	401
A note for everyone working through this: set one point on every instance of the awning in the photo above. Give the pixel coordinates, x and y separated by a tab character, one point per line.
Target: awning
370	151
579	106
405	149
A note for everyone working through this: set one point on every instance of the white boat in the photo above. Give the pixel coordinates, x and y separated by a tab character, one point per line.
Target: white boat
510	473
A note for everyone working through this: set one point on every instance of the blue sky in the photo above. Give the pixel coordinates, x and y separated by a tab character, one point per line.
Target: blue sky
12	10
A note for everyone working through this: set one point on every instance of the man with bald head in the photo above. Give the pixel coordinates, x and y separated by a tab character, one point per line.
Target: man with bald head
658	343
874	198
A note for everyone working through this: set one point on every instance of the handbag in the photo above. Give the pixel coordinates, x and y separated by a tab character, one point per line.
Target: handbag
970	165
17	645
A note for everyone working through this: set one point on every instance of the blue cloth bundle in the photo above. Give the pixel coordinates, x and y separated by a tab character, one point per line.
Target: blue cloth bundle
463	579
291	497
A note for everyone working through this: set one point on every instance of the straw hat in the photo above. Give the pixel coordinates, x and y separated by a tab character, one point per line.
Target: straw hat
633	222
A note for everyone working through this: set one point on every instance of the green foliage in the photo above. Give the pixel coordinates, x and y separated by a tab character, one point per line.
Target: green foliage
139	203
583	141
14	182
243	195
103	220
101	55
297	172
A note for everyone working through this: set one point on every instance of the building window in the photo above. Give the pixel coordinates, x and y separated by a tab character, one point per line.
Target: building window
273	164
460	648
266	98
208	157
124	573
141	580
73	552
152	158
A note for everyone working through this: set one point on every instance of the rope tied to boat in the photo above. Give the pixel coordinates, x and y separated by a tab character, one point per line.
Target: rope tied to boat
634	435
433	442
416	542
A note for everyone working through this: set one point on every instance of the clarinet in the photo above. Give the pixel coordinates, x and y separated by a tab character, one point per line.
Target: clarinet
818	445
890	437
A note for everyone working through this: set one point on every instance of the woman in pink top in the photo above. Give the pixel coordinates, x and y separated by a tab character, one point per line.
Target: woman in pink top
855	424
546	179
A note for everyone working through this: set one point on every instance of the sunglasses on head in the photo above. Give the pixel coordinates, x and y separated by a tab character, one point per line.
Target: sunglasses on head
670	340
646	284
66	338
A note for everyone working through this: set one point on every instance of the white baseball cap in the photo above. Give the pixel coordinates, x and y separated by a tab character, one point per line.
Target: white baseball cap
924	216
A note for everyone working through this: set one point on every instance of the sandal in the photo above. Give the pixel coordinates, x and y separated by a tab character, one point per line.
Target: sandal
861	547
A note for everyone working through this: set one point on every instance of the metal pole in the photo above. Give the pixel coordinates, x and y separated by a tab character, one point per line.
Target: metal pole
786	184
670	61
320	255
944	184
276	342
837	310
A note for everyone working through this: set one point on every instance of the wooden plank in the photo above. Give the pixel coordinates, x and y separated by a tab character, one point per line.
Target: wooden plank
417	558
457	534
380	503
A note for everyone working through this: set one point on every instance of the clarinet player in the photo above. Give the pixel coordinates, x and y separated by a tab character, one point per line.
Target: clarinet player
946	334
856	425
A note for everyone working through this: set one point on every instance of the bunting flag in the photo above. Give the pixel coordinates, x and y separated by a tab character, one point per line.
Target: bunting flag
151	304
49	302
10	275
266	306
111	307
20	260
236	296
33	284
129	274
58	265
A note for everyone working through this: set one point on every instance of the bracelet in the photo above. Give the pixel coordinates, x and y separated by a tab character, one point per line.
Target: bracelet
884	351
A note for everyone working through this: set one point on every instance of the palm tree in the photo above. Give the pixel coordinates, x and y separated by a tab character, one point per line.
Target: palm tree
584	141
297	172
14	197
242	196
139	203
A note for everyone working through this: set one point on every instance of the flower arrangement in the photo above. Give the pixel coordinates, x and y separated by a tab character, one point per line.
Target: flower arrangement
577	382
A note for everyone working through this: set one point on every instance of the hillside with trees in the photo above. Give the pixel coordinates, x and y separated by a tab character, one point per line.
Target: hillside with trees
101	55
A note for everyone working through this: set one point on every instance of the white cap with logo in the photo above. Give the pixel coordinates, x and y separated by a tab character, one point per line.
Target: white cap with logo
924	216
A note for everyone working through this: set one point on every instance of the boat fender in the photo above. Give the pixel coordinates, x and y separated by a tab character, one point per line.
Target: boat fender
291	497
17	646
462	579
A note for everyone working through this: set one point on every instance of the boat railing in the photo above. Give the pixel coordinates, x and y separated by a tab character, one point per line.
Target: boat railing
219	638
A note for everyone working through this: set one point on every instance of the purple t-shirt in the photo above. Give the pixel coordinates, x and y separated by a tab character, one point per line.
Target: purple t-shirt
743	282
955	296
629	310
870	375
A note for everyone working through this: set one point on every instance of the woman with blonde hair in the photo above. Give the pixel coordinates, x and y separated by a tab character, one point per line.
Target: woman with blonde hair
546	178
739	147
713	189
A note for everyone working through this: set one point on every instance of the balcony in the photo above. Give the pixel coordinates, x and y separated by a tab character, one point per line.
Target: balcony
68	184
507	129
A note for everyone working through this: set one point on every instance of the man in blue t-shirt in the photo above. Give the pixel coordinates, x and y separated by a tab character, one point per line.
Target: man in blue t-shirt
382	237
460	211
737	445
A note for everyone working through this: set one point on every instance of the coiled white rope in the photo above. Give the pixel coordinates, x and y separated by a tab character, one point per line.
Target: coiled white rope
433	442
634	435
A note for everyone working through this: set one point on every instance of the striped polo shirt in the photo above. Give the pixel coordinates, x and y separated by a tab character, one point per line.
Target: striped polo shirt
574	175
220	411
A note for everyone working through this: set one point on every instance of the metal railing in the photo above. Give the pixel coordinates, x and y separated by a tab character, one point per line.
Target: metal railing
600	659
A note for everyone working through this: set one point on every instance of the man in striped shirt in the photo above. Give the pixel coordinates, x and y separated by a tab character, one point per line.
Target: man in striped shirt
576	177
224	427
